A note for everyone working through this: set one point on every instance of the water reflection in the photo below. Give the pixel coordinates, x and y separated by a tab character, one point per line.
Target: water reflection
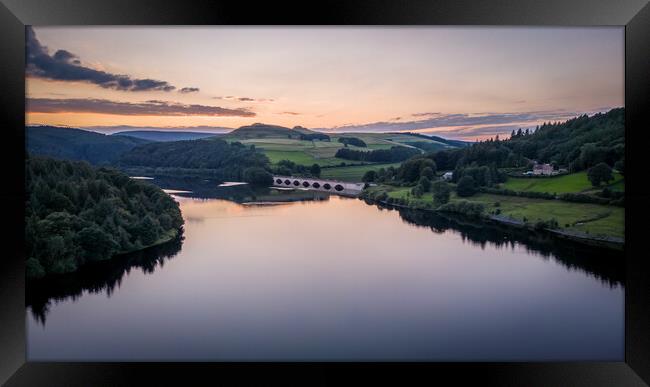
603	264
98	277
298	275
239	193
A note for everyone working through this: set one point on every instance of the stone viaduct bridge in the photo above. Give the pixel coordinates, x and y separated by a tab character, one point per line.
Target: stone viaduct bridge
334	186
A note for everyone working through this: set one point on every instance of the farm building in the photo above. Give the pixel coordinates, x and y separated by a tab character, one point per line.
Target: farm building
542	169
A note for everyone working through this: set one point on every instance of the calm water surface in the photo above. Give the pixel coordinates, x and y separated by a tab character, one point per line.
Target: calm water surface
333	279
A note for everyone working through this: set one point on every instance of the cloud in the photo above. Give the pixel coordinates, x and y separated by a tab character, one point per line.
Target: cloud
66	66
147	108
465	126
290	113
424	114
185	90
244	99
458	120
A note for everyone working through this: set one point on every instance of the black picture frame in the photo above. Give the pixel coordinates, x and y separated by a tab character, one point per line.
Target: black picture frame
633	14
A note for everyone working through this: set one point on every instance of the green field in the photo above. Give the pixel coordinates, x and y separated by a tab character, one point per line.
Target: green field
594	219
353	173
277	145
571	183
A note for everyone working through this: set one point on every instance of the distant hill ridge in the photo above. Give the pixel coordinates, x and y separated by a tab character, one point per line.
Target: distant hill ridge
77	144
165	135
259	130
453	143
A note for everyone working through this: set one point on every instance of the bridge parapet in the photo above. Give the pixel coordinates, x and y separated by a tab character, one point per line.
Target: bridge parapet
324	185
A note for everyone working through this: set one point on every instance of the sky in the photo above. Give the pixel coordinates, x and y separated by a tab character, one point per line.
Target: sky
457	82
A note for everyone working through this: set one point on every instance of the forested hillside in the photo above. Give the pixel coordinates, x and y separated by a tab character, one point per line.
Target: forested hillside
395	153
228	160
76	213
77	144
576	144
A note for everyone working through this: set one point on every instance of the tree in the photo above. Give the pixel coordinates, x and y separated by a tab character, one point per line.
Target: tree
257	176
466	186
105	213
98	245
369	176
315	170
441	192
417	191
424	184
427	172
599	173
620	166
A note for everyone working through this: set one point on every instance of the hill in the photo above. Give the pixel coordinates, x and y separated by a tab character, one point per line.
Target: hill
438	139
281	143
163	135
77	144
224	160
264	131
77	214
576	144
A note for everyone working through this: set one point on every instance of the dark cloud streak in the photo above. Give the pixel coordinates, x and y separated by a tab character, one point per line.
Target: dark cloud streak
186	90
153	108
66	66
451	120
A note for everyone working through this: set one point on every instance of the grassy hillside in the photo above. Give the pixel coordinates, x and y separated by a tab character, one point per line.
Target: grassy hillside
595	219
258	131
77	144
281	143
574	182
353	173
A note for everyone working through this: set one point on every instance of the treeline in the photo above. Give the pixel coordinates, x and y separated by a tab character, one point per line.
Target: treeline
289	168
314	136
577	144
410	171
355	141
394	154
76	214
228	160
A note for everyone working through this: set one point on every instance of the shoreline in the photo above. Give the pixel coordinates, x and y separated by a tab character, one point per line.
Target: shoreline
609	242
169	237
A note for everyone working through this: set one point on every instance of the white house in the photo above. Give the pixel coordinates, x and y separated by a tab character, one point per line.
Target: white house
448	175
542	169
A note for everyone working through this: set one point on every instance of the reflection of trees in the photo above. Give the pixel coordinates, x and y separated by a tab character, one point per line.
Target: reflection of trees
96	277
601	263
209	189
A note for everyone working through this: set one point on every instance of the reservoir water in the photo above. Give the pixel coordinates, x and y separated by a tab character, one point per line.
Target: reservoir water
279	275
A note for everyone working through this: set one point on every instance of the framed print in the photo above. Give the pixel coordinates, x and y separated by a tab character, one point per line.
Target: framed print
325	193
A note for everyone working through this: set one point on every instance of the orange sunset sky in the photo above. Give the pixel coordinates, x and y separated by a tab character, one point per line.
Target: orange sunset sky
464	83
